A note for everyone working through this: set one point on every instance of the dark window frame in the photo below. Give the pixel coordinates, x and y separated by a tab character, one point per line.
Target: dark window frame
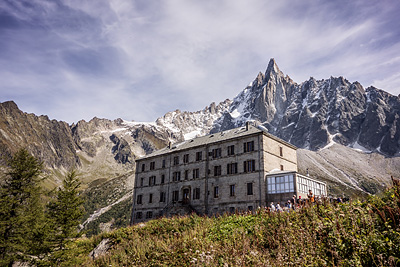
217	170
139	199
196	173
248	146
249	189
176	160
139	215
249	165
232	190
152	165
216	153
186	158
216	192
176	176
231	150
149	215
162	196
199	156
232	168
196	193
152	180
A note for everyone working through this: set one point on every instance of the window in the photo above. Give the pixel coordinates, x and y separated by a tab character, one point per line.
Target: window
281	151
231	150
249	189
152	180
199	156
186	158
176	160
196	193
163	163
151	198
143	167
217	170
149	214
141	181
248	146
281	167
186	174
176	176
231	168
216	153
152	165
195	173
162	196
284	184
249	165
139	215
175	196
231	209
232	190
162	178
139	199
216	192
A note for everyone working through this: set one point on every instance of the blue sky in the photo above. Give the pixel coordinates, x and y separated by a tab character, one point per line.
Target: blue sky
137	60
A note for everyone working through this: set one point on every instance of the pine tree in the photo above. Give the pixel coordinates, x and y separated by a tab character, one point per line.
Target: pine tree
65	211
21	211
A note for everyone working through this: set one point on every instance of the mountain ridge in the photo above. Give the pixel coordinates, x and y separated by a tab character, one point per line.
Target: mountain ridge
325	119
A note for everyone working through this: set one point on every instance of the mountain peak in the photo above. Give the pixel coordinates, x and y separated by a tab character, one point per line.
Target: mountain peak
272	67
9	105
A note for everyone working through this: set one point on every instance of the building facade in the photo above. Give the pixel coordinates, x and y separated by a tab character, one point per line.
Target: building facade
235	170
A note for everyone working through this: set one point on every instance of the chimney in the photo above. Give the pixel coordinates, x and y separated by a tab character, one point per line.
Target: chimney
247	125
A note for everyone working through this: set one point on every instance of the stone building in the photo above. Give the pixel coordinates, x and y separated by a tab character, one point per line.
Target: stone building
235	170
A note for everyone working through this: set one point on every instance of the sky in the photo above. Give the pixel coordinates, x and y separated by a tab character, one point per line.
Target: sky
137	60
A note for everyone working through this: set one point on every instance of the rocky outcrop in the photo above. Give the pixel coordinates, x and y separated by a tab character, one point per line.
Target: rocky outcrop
49	140
101	249
121	150
187	125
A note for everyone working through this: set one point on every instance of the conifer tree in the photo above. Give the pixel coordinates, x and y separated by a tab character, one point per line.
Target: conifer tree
65	211
21	211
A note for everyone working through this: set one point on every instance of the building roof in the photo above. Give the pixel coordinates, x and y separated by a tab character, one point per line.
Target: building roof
215	138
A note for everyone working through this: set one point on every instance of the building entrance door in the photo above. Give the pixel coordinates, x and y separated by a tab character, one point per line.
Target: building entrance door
186	195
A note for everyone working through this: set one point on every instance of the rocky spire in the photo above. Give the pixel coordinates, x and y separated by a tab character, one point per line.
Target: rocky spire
272	69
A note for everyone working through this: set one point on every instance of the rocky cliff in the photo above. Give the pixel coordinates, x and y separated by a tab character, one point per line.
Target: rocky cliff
49	140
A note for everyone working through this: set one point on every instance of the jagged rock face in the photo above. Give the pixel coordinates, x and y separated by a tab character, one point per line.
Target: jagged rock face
88	135
152	138
49	140
315	113
187	125
121	150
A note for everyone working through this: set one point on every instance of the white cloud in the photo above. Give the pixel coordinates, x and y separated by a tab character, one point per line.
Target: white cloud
140	59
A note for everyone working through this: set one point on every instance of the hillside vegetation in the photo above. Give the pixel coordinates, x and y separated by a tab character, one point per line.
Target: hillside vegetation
350	234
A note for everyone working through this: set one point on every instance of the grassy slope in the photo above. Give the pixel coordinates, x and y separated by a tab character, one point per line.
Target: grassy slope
354	234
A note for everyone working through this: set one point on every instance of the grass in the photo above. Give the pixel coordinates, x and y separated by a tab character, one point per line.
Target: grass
352	234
